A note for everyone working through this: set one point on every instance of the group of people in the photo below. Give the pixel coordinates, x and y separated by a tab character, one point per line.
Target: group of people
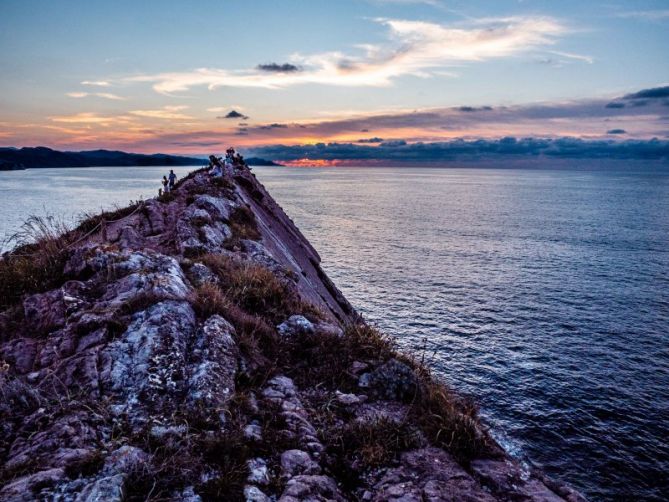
168	183
233	161
219	167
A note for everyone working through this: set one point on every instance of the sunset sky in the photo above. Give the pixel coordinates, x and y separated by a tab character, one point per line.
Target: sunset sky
194	77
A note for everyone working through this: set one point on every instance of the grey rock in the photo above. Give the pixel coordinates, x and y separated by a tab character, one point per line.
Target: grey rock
109	488
295	325
258	472
507	478
253	431
427	474
391	380
125	459
212	367
45	311
349	399
255	494
187	495
129	238
311	489
297	462
200	274
21	489
216	207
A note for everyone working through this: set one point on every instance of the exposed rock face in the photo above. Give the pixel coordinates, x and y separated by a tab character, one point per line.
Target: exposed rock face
196	351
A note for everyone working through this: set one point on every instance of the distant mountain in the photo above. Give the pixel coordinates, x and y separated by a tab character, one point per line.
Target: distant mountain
257	161
46	157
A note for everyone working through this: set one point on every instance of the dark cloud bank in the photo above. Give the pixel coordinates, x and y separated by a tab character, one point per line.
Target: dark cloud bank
278	68
506	148
234	114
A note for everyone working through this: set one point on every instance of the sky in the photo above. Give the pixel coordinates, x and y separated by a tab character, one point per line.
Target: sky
195	77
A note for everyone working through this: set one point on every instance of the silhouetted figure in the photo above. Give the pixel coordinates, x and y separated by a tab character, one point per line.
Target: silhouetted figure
166	186
173	179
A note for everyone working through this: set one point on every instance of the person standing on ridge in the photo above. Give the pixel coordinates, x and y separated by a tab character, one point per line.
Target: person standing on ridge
165	185
173	179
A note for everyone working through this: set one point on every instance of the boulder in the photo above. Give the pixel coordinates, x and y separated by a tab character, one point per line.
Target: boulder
297	462
392	380
212	367
312	489
295	325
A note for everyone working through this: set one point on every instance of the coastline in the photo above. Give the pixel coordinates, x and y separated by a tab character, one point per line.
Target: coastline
222	231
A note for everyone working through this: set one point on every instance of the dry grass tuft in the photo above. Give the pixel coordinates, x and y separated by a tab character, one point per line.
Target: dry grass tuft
243	225
325	359
36	264
372	444
255	289
451	422
90	220
256	339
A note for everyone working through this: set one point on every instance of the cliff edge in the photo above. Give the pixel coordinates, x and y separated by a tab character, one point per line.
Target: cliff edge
190	347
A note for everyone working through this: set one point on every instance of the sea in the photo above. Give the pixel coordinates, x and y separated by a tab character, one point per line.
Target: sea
541	293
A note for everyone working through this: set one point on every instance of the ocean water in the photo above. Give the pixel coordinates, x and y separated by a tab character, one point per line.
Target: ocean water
543	294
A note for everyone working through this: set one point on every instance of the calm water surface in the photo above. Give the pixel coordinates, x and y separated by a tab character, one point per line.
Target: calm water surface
542	293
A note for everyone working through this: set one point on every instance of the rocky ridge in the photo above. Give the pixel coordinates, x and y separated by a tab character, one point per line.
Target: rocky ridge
195	350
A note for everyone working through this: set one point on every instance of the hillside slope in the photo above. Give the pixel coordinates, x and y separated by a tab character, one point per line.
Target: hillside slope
192	348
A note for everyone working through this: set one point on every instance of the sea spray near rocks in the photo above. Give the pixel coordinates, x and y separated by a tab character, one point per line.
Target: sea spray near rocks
195	350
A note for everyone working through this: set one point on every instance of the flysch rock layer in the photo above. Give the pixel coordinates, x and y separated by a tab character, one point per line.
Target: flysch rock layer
116	386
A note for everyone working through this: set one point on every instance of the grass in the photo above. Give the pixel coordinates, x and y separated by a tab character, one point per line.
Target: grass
255	289
325	359
243	225
89	221
367	445
257	340
448	420
167	197
37	263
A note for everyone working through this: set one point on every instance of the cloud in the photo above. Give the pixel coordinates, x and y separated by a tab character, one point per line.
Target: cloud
616	131
615	105
89	118
278	68
233	114
435	152
105	95
586	118
370	140
474	109
166	112
98	83
647	15
273	126
417	48
571	55
652	93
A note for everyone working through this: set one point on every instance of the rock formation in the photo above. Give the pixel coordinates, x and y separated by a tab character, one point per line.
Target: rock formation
194	349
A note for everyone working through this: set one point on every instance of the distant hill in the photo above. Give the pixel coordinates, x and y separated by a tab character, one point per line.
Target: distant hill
46	157
256	161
